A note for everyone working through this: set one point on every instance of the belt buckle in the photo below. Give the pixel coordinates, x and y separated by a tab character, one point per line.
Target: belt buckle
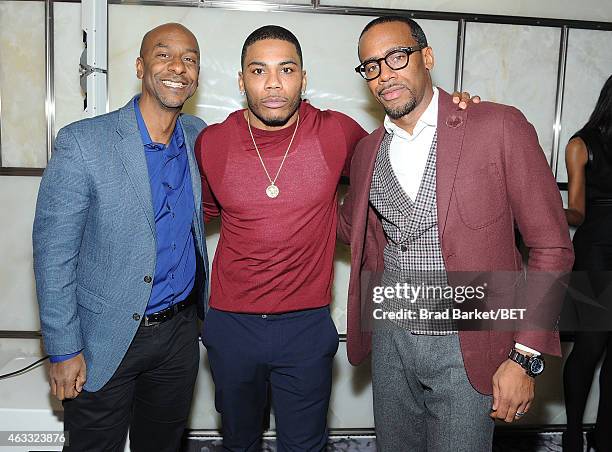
147	323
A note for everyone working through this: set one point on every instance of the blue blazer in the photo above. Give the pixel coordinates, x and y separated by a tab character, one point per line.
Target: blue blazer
94	239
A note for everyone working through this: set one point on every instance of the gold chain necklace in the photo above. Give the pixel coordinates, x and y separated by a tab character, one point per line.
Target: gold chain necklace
272	190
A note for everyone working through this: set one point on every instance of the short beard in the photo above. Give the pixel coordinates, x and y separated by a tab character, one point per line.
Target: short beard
273	122
397	113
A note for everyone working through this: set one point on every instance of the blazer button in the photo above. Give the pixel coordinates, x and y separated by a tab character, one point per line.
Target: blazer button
136	316
148	279
404	248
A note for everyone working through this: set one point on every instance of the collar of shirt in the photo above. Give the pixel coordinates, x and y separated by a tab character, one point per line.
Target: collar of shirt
429	118
149	144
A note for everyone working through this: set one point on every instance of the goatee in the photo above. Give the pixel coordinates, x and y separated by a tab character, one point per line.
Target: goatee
273	122
397	113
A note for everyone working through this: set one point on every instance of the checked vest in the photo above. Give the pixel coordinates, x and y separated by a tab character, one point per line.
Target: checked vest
413	254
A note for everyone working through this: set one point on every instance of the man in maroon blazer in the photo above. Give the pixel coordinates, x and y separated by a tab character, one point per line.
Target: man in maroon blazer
438	190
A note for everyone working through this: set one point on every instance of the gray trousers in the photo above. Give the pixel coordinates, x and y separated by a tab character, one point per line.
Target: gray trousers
423	400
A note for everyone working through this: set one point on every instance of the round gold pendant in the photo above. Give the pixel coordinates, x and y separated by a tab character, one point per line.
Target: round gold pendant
272	191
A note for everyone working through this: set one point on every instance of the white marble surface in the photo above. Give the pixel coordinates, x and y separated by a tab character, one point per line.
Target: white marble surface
515	65
332	82
22	84
68	45
17	290
589	64
597	10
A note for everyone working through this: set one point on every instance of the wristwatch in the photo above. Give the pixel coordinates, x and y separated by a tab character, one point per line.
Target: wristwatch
533	365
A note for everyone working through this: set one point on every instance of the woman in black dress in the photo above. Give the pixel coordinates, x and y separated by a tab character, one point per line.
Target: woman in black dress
589	167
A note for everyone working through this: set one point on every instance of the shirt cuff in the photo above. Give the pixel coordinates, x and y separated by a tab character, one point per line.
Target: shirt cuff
524	348
60	358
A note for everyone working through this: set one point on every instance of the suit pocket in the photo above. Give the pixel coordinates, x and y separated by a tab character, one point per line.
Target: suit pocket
480	197
89	300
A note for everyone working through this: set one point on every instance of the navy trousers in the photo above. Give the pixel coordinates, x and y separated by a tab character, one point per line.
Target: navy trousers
289	355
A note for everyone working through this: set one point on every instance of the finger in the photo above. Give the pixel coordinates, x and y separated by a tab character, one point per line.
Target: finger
513	408
70	393
476	99
60	392
80	381
456	98
495	396
521	411
463	105
53	386
465	95
511	414
502	407
70	389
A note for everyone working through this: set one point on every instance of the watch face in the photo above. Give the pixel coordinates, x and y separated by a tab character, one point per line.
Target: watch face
536	366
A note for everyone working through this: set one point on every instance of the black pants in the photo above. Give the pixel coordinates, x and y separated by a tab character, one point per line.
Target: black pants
150	393
588	349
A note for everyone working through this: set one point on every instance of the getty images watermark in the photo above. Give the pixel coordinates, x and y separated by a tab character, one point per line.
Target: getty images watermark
421	296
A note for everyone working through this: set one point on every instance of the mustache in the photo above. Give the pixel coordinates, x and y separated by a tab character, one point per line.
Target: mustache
382	89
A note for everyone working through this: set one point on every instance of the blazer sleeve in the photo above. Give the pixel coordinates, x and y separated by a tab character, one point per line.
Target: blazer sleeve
345	212
538	212
345	209
59	222
209	203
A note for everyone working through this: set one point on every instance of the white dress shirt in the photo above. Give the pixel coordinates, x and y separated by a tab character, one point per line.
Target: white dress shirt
408	152
408	155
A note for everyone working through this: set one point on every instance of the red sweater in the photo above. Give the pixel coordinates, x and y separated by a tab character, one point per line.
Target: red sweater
274	255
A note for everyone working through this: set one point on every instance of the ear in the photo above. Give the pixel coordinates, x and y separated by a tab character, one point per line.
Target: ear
240	82
304	81
139	68
428	58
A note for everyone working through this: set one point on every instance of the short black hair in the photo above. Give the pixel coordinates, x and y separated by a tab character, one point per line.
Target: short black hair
270	32
417	32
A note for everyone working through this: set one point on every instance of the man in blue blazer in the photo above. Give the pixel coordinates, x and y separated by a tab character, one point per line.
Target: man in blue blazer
120	259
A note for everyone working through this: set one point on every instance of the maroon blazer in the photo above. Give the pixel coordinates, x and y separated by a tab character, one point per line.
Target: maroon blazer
491	175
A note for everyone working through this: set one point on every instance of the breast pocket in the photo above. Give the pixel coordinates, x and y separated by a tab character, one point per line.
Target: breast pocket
480	197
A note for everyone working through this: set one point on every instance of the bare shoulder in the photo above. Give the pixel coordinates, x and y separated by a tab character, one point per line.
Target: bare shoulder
576	151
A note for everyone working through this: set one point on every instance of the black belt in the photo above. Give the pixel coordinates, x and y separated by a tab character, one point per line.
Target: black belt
166	314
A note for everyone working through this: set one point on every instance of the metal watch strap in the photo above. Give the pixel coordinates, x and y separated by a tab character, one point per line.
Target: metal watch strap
519	358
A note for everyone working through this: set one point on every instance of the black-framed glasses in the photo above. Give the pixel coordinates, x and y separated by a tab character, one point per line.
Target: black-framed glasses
396	59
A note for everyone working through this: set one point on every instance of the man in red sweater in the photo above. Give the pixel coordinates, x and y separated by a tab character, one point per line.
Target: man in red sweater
271	173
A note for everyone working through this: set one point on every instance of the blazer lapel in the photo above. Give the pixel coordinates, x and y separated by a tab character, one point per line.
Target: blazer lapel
360	188
388	179
130	151
196	182
425	198
451	128
373	146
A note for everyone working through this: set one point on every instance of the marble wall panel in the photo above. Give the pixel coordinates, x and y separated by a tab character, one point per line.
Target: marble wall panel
515	65
23	134
589	64
597	10
329	63
68	45
17	289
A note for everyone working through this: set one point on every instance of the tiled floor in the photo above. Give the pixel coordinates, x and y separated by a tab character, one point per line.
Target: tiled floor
503	442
